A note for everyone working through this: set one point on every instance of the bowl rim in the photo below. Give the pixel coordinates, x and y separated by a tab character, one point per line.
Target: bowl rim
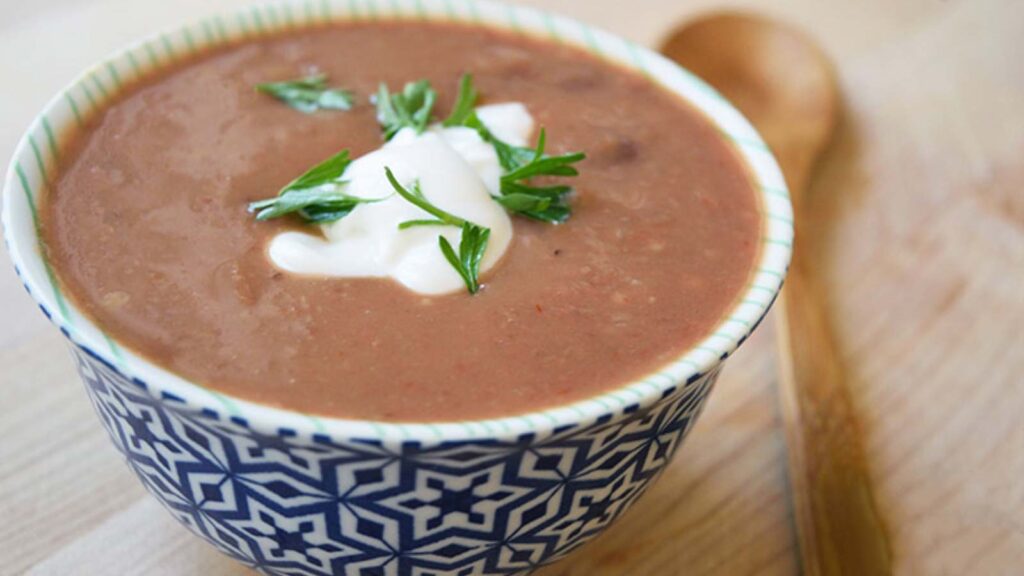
38	149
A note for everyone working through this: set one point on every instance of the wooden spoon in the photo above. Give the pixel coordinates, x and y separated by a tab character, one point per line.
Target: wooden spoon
784	85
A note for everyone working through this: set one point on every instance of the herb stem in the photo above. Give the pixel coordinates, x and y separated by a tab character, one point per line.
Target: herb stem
416	198
474	238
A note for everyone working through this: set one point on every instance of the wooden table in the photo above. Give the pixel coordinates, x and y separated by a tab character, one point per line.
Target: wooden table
919	217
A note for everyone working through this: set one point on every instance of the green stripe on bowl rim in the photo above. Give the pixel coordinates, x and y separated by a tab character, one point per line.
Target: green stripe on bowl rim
63	114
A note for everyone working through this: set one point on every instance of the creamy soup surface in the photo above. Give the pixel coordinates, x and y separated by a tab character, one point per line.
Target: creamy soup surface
147	229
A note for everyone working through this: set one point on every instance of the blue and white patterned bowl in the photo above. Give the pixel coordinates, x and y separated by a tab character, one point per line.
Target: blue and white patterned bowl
290	493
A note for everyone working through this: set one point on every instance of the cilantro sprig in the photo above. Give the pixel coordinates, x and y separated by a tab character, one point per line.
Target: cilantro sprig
474	240
414	195
308	94
545	203
521	164
316	195
471	254
410	108
465	103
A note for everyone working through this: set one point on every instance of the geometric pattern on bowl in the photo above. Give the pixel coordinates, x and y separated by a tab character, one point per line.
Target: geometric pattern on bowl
287	505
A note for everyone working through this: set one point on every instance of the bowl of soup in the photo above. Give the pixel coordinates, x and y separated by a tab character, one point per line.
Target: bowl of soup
430	287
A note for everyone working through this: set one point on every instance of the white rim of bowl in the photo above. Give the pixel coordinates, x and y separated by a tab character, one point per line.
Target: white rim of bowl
37	152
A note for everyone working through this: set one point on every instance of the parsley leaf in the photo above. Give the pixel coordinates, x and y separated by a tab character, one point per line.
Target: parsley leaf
510	157
315	205
545	203
464	104
472	246
471	253
316	195
308	94
543	165
325	172
410	108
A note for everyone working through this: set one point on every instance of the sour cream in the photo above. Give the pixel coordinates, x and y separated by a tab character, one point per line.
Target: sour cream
457	171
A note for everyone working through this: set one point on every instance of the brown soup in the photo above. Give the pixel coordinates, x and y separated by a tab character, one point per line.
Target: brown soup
147	229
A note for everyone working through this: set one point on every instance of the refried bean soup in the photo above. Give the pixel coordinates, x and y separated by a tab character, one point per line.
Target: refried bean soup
402	221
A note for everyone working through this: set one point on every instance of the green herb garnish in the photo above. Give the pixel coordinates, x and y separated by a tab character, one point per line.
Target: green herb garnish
316	195
464	104
410	108
471	253
545	203
414	195
425	222
472	246
308	94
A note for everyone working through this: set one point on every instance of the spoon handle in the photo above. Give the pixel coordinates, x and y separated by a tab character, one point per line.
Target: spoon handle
784	83
838	524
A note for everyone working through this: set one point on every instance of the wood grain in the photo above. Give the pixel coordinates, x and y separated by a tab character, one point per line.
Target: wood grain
924	268
786	87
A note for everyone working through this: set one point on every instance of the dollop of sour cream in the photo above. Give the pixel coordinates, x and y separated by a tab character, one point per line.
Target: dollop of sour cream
457	171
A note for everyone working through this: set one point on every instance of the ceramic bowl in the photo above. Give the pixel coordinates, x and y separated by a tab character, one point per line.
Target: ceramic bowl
290	493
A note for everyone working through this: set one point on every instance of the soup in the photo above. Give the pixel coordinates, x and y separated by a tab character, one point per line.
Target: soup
147	229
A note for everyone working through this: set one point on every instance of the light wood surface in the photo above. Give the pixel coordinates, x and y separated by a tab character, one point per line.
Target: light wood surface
924	268
780	79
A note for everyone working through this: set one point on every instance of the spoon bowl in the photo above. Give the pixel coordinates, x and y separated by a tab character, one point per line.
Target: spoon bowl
780	80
